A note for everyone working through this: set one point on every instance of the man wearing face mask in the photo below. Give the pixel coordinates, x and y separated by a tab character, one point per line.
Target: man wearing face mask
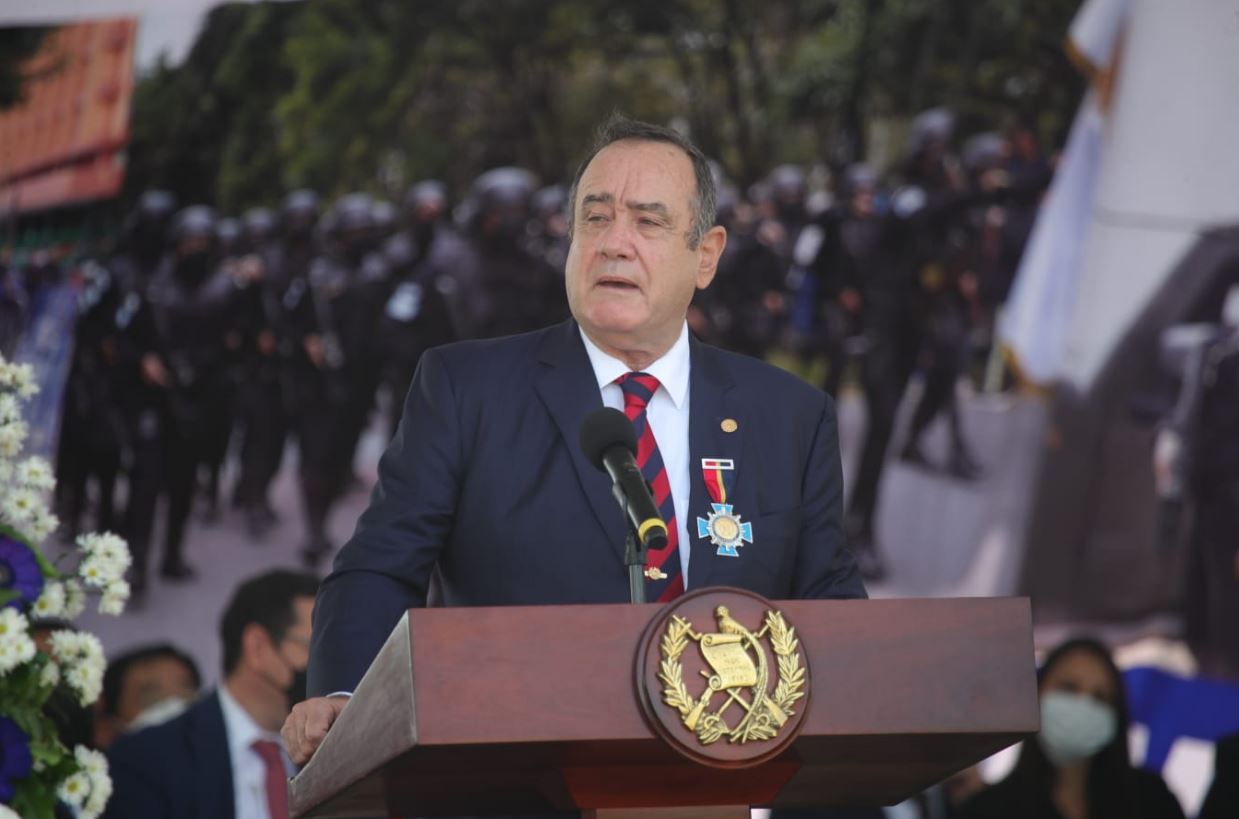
1078	766
223	758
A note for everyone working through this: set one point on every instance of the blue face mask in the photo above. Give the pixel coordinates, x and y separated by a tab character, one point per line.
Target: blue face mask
1074	727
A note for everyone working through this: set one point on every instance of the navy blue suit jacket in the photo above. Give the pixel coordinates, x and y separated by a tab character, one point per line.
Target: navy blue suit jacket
177	770
485	480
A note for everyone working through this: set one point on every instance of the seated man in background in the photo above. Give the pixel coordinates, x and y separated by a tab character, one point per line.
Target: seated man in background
222	758
143	687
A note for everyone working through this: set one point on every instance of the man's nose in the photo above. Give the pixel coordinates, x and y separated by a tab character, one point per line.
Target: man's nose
616	240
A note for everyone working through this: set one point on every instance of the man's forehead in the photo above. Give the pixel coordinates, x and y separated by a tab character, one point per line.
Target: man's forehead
655	167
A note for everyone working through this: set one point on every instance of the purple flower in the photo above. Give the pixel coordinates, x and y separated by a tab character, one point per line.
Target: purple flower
19	572
15	761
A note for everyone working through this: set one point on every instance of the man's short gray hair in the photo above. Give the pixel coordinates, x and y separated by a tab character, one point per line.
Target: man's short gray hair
619	128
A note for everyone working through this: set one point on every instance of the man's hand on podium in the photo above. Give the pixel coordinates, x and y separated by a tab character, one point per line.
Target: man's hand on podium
308	723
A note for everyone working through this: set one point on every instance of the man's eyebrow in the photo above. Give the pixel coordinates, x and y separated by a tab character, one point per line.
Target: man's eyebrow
597	199
651	207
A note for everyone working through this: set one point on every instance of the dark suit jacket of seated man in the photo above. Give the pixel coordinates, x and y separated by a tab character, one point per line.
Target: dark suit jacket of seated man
484	482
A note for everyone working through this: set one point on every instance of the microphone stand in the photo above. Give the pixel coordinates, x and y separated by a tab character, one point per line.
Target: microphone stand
634	558
634	553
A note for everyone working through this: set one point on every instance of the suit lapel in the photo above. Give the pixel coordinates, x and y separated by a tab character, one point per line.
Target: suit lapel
569	389
212	764
712	400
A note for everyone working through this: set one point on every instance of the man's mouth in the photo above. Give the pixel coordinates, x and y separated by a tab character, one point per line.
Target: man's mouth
616	283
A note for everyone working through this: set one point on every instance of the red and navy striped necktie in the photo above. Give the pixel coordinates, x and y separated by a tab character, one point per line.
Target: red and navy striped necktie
664	581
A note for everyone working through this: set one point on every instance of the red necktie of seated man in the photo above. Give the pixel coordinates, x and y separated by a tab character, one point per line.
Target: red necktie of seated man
276	779
663	579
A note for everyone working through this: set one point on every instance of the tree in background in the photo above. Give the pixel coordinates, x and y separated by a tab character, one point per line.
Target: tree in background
373	94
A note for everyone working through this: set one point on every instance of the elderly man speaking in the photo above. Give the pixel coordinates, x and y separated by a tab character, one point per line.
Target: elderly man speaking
484	483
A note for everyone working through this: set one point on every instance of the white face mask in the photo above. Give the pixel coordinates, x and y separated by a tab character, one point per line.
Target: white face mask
1074	727
157	713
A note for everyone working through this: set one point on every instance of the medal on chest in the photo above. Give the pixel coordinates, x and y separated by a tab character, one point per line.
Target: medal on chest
723	526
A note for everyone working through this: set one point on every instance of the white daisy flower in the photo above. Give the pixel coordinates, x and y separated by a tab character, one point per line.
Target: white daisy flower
36	473
114	598
20	378
16	647
42	524
12	436
75	789
10	408
20	505
75	599
51	602
49	677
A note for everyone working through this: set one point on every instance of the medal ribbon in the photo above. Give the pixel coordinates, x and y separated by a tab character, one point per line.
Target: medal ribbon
720	475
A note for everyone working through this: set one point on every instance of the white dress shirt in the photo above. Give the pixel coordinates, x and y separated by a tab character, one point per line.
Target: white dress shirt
667	415
249	772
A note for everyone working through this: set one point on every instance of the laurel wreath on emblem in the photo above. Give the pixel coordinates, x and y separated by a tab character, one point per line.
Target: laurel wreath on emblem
764	715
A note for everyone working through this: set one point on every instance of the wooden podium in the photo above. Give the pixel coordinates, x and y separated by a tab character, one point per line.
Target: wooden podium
530	709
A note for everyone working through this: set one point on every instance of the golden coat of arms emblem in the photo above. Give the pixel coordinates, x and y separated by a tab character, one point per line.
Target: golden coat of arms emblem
744	699
722	677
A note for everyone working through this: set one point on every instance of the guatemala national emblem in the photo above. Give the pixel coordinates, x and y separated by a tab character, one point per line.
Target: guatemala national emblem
746	697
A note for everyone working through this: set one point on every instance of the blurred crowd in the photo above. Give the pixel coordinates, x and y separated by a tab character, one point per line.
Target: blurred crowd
295	323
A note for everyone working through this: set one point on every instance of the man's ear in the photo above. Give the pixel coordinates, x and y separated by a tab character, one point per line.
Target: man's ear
255	643
709	252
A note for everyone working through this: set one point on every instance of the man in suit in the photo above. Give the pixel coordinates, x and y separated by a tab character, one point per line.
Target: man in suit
222	758
484	484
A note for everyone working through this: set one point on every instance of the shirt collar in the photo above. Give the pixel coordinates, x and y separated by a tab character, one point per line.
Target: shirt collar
240	726
671	370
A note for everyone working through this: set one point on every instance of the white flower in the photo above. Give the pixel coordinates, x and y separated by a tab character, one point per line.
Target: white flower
75	599
19	377
21	505
95	572
42	524
49	677
107	558
93	763
51	602
8	813
114	597
100	792
6	466
82	655
10	408
16	647
87	680
35	473
12	436
75	789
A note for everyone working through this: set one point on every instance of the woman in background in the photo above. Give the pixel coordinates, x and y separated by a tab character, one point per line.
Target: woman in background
1078	766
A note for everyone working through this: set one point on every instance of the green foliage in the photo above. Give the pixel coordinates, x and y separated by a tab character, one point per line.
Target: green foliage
374	94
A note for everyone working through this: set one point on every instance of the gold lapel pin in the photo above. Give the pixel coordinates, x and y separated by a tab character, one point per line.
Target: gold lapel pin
729	425
655	573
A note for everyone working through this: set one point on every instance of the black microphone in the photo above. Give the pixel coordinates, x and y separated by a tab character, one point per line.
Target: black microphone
609	442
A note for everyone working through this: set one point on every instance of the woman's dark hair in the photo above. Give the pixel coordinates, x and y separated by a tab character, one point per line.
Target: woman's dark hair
1110	774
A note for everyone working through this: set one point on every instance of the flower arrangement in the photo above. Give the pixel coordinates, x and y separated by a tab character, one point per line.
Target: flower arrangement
36	769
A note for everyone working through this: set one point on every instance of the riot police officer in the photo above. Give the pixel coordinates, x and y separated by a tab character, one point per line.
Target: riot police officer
191	302
103	387
500	287
349	283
